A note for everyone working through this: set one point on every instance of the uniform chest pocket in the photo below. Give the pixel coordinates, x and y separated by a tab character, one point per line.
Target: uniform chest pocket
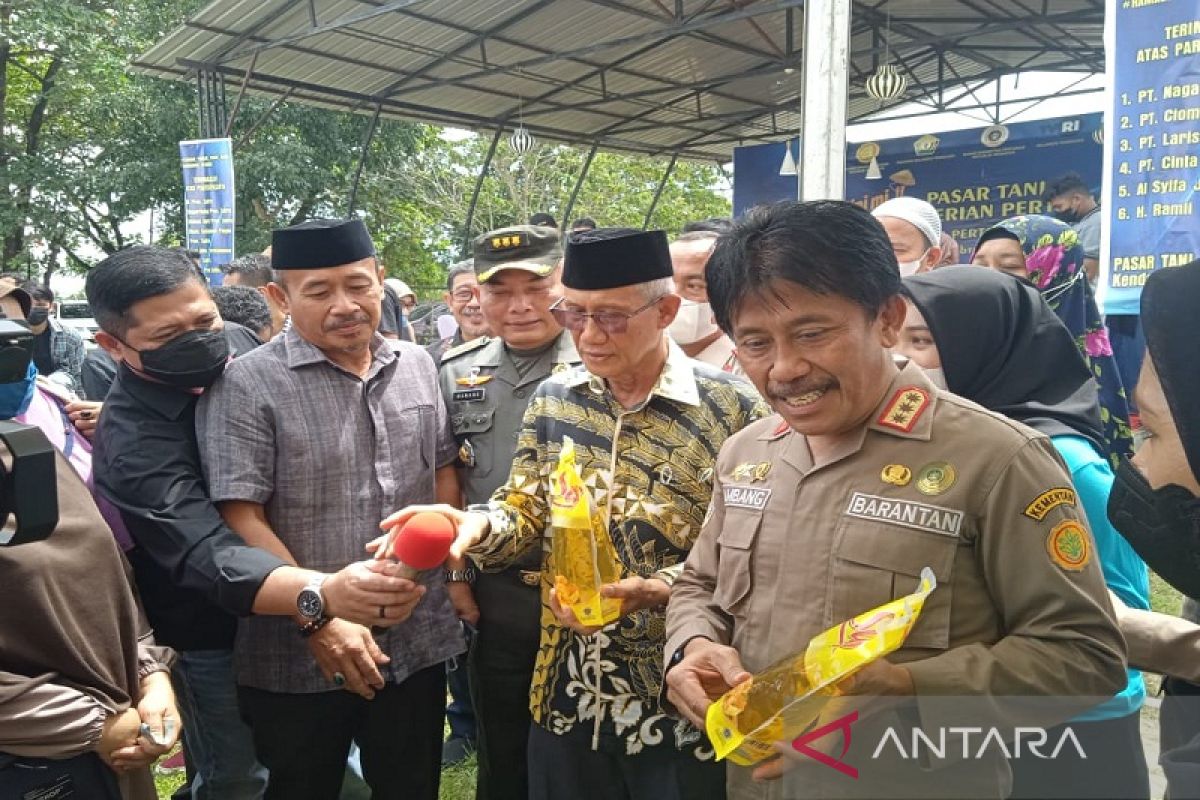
874	563
473	431
735	576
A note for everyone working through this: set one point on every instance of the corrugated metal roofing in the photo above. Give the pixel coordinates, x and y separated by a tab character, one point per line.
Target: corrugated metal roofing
695	77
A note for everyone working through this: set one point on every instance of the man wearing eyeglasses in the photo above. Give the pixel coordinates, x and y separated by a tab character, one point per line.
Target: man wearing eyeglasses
460	297
647	422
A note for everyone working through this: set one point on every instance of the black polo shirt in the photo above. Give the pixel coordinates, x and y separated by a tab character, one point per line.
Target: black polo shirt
194	574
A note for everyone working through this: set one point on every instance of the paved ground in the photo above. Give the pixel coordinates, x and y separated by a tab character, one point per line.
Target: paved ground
1158	782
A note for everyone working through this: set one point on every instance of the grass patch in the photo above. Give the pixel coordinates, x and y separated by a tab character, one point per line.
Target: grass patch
458	782
1163	597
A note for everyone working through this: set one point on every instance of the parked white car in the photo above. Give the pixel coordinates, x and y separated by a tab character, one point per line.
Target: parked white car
77	314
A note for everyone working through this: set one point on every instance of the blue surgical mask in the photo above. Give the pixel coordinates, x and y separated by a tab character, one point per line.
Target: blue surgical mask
16	397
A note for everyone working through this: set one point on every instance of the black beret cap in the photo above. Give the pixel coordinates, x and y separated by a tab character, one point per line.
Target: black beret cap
609	258
321	243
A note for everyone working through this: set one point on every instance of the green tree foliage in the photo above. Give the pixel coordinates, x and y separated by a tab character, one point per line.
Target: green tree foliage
617	191
89	153
63	95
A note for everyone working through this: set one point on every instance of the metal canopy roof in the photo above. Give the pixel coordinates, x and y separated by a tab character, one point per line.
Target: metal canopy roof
687	77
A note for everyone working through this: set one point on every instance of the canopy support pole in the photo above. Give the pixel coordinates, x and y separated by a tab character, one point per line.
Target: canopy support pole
362	159
587	164
487	162
658	193
822	163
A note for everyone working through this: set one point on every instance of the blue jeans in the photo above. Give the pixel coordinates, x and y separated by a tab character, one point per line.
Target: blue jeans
218	743
460	714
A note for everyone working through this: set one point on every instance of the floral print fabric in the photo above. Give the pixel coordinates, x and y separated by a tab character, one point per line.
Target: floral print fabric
1054	261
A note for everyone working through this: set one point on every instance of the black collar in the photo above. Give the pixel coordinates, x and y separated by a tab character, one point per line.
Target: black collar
168	401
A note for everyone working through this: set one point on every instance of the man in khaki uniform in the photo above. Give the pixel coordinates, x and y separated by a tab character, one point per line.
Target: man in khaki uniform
487	384
866	474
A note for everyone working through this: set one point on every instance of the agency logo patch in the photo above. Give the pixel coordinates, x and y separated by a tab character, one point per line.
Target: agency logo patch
1049	500
1069	545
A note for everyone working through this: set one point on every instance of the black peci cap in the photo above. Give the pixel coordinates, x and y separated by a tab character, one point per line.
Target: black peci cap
609	258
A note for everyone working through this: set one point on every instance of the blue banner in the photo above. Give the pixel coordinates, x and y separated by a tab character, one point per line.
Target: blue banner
1153	164
974	178
208	202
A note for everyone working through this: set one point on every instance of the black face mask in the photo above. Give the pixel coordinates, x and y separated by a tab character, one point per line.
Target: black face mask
1067	215
37	316
192	360
1163	525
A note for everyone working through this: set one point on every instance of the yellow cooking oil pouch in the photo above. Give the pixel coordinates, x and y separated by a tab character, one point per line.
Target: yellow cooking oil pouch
582	550
781	702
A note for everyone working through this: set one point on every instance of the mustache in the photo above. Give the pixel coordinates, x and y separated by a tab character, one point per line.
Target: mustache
350	319
779	391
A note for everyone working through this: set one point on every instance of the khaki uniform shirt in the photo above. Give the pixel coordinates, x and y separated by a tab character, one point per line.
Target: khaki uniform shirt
791	548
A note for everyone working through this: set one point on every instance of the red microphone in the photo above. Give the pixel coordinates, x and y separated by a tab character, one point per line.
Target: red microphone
423	543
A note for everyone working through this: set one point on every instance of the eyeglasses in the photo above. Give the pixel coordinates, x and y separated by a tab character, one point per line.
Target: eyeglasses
463	295
611	322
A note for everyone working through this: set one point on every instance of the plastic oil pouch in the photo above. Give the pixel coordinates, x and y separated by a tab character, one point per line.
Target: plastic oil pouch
582	551
781	702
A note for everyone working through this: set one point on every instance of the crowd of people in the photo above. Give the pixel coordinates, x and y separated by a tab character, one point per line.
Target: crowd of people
784	420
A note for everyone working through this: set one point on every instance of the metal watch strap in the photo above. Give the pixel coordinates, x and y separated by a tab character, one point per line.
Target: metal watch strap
467	575
314	586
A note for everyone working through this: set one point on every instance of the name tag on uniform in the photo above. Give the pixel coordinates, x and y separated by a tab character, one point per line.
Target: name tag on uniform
909	513
467	395
753	497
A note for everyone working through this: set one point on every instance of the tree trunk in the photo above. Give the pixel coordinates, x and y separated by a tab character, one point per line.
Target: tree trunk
5	50
306	207
51	263
14	242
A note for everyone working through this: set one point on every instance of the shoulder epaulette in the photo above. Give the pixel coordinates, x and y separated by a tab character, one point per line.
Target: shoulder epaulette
465	347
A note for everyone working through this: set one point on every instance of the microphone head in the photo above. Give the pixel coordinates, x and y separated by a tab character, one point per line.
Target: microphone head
424	541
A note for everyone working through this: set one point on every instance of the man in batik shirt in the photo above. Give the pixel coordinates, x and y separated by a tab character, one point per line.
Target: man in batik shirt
647	423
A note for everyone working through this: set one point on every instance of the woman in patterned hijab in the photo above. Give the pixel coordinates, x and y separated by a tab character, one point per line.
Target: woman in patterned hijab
1047	253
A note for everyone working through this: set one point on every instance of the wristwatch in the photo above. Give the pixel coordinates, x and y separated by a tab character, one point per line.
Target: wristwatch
310	603
679	654
467	575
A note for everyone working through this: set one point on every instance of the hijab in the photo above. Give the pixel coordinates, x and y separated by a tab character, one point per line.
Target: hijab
70	616
1001	346
1170	302
1054	262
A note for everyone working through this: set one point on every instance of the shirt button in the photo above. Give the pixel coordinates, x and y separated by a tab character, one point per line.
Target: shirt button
520	394
480	420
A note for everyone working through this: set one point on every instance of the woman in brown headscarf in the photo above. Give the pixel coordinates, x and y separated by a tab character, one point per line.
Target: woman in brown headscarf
79	672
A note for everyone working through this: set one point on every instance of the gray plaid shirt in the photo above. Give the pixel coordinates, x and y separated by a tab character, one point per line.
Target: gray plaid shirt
329	456
67	352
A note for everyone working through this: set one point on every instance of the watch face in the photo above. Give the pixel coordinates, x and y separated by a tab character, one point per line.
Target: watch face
309	604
